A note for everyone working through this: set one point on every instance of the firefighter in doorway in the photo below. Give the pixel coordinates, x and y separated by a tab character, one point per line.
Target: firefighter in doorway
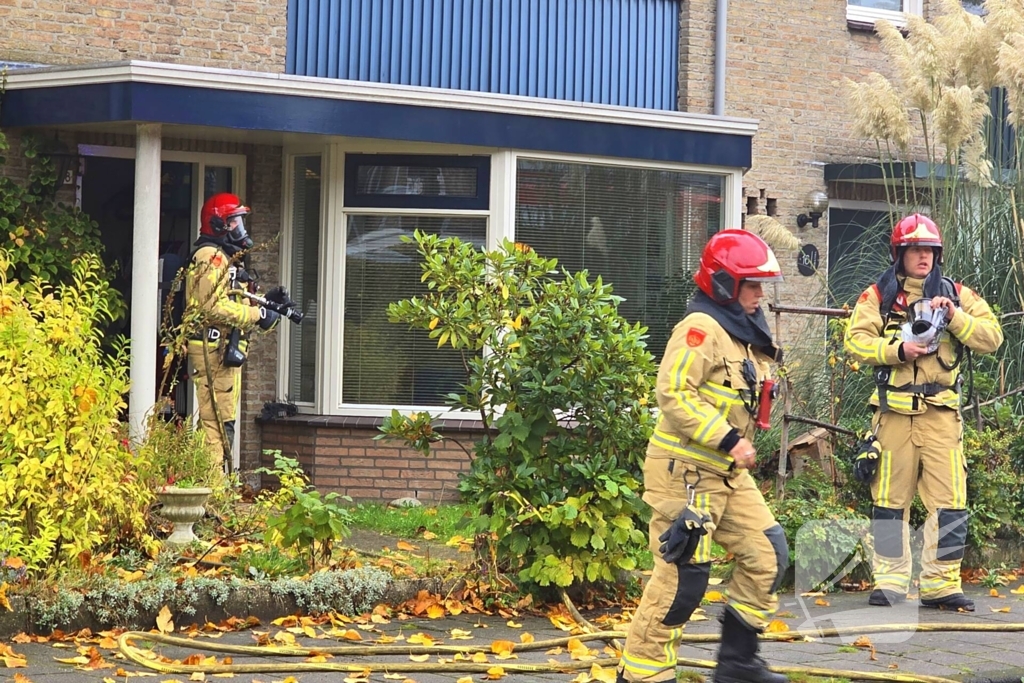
217	350
713	388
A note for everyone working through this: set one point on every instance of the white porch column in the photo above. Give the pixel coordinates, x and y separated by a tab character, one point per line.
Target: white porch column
145	320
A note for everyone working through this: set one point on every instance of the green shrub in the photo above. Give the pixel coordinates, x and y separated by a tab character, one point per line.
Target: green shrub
564	393
67	479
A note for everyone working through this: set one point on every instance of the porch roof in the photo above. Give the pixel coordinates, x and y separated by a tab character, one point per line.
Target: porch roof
99	95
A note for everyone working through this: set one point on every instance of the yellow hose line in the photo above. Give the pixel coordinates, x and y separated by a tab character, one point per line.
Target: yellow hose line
136	656
365	650
831	673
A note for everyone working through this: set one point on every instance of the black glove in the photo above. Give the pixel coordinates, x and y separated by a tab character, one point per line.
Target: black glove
268	318
865	465
279	295
679	543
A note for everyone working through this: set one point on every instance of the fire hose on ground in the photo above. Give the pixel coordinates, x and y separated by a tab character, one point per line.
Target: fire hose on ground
137	656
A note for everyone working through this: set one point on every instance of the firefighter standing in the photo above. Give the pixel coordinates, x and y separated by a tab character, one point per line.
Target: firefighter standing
918	440
696	473
213	274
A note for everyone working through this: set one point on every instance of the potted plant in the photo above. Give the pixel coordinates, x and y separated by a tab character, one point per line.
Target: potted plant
178	464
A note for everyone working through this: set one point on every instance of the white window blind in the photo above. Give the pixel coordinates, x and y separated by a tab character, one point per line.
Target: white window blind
386	363
642	230
305	268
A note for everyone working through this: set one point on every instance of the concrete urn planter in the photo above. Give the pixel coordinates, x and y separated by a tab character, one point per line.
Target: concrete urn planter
182	507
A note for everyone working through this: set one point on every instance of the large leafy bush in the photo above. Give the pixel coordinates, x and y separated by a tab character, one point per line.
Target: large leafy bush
67	482
562	384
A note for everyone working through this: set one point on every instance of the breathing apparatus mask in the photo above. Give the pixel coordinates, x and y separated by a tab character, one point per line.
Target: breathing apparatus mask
236	232
924	324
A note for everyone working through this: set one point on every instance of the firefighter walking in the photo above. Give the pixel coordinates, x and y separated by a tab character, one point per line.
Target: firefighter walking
912	325
712	379
213	275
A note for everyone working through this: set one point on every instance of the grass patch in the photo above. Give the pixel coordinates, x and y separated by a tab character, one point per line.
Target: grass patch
444	521
804	678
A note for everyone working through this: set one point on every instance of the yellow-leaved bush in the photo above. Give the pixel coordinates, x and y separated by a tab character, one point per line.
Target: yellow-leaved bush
67	480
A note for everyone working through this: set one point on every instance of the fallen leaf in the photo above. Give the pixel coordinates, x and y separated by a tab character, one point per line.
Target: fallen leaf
435	612
526	638
512	624
465	679
894	666
419	658
776	626
395	677
22	638
494	673
351	634
479	658
22	678
577	650
812	594
822	602
601	674
713	582
1000	609
197	676
4	601
429	535
284	637
421	639
16	662
863	641
499	646
403	545
1019	590
164	623
714	596
995	593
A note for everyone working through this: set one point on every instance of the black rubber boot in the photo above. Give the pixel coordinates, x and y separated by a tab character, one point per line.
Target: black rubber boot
956	602
881	597
738	661
619	677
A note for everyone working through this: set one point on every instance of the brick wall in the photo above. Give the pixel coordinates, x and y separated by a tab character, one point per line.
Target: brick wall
787	61
231	34
348	460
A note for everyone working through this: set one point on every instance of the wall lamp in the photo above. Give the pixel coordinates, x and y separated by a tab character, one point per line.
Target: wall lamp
817	204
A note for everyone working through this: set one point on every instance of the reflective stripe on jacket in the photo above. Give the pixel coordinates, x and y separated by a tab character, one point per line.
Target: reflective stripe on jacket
702	394
869	339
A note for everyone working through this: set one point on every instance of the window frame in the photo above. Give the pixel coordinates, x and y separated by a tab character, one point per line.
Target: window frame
500	215
479	163
284	331
868	15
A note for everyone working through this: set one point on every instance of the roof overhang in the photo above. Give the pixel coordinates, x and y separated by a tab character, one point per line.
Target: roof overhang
181	95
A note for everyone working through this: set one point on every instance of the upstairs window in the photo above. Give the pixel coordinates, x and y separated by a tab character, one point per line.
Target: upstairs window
870	11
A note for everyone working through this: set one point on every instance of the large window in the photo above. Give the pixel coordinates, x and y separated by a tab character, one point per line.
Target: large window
870	11
385	363
641	230
305	265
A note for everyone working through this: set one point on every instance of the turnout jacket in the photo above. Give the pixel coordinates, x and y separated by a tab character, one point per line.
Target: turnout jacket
913	385
702	394
207	286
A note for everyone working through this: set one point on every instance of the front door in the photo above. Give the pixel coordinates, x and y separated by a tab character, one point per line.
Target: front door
108	197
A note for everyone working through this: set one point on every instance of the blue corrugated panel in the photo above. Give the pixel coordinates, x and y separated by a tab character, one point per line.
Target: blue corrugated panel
622	52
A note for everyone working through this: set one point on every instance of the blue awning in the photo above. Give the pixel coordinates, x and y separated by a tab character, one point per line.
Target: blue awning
141	92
